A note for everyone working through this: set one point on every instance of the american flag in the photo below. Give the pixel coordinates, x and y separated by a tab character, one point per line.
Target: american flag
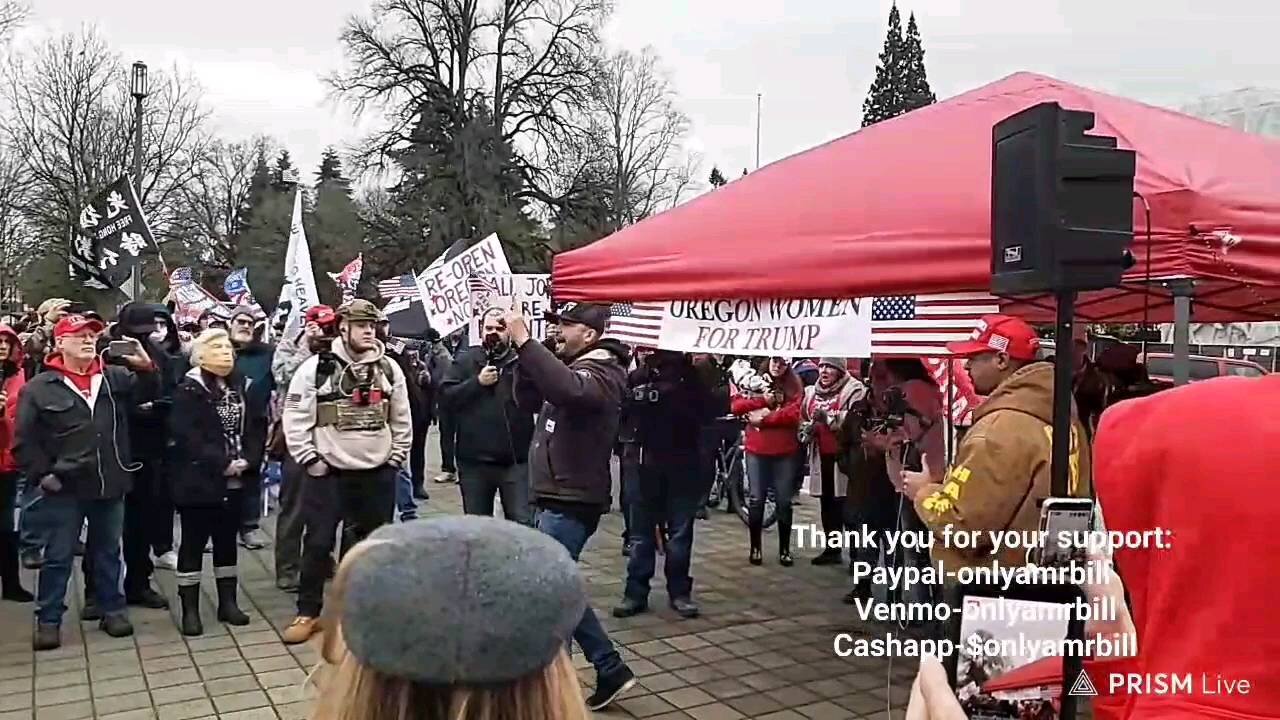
636	323
402	287
481	284
181	276
922	325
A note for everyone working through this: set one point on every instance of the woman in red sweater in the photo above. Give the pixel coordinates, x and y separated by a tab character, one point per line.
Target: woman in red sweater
773	418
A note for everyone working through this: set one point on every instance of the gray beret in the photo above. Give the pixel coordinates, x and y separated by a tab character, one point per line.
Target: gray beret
461	600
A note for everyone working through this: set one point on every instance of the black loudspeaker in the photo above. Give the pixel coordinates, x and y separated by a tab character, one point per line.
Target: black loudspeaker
1061	204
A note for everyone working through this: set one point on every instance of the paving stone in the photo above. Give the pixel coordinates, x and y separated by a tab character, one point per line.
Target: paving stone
295	711
782	715
15	701
714	711
686	642
16	685
17	715
69	711
753	705
185	710
61	666
174	662
289	694
122	703
71	693
57	680
824	711
115	671
231	685
224	670
172	677
727	688
254	652
664	681
260	637
687	697
240	701
137	714
211	642
263	713
279	662
644	706
177	694
280	678
215	657
792	696
107	688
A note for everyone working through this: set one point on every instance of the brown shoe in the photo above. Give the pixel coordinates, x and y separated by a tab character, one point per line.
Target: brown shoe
300	630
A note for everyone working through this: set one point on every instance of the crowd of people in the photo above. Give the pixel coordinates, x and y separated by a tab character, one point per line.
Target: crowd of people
118	428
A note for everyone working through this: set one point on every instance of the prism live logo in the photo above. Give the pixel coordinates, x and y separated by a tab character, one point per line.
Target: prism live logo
1083	686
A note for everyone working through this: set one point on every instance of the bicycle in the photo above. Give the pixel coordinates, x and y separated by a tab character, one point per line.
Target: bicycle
730	482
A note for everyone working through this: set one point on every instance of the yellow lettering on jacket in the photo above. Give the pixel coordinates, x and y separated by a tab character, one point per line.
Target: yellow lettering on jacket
1074	461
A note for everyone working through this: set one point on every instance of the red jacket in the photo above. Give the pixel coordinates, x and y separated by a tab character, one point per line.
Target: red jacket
12	385
776	434
1199	461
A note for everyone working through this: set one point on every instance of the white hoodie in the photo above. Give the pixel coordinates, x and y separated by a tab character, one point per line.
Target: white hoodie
345	449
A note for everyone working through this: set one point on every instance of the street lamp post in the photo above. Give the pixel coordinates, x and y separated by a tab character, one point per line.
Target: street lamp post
138	88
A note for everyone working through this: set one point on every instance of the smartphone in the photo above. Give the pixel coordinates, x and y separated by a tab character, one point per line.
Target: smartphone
1065	523
1009	641
120	348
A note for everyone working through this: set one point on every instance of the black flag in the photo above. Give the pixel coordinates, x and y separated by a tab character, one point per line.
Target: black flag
112	235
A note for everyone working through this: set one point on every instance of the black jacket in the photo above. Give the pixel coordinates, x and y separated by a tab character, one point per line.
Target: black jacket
197	454
579	407
89	452
491	426
148	422
669	408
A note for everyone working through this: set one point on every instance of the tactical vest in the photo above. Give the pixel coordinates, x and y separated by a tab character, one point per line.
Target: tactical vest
357	400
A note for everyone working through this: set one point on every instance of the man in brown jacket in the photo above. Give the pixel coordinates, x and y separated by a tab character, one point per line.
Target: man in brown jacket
1002	466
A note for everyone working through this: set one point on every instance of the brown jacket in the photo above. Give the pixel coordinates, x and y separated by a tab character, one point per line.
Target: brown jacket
1002	470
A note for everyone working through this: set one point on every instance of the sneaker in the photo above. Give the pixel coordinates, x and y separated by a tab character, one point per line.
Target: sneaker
608	688
447	477
147	598
253	539
629	607
46	637
300	630
167	561
685	607
116	625
32	559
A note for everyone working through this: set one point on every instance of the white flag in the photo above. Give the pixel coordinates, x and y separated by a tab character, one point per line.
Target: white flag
299	288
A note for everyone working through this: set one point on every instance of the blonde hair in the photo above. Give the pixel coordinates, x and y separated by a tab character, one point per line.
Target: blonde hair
352	691
200	345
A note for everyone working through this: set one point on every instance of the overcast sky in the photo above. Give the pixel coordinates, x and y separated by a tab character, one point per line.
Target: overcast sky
260	61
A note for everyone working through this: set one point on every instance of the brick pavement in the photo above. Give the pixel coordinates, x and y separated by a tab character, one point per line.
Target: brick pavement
761	650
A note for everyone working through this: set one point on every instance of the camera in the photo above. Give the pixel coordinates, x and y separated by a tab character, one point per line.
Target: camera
894	413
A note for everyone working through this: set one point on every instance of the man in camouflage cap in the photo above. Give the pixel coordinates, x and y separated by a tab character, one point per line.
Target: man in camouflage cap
348	423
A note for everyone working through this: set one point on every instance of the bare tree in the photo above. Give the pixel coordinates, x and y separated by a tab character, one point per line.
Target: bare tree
12	15
211	204
640	134
528	62
70	121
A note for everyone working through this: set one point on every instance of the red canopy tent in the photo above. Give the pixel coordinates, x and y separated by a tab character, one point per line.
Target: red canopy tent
904	207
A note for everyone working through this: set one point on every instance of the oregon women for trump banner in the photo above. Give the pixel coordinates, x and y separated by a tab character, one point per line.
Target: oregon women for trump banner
775	328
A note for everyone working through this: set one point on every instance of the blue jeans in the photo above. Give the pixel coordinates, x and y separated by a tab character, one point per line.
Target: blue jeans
63	516
667	493
405	505
765	472
573	533
628	486
30	522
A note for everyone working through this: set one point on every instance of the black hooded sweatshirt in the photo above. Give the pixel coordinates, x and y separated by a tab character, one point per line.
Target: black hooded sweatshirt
148	423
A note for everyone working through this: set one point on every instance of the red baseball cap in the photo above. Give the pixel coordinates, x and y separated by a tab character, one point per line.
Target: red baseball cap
72	324
321	315
999	333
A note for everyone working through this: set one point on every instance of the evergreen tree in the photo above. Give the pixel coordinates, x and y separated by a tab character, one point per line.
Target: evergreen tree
884	99
335	232
916	92
284	175
717	178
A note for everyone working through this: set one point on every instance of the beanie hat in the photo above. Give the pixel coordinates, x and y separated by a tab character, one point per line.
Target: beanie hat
461	600
835	362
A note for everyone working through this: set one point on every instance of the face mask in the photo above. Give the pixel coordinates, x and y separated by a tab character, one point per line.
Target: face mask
160	334
218	360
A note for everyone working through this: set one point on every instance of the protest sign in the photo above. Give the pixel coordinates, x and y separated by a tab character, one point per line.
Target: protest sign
446	297
530	294
299	287
781	328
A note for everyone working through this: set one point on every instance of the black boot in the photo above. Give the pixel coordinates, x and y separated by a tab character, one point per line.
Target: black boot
228	611
784	541
189	597
10	585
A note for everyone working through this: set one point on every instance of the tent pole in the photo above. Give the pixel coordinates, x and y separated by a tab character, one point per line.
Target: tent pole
1183	290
